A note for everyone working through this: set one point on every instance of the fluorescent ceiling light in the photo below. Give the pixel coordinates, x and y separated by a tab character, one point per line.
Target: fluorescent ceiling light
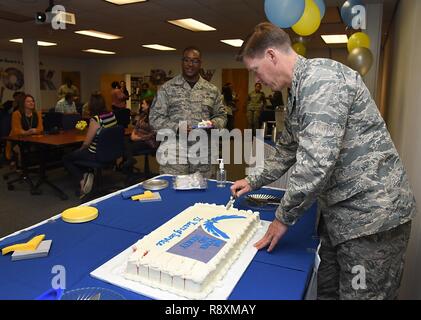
121	2
98	51
40	43
98	34
335	38
192	25
158	47
46	44
233	42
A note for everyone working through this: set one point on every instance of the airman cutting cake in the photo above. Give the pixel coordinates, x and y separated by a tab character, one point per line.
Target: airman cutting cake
190	253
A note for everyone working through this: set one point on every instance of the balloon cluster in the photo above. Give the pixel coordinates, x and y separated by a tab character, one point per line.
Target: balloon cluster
81	125
303	16
360	57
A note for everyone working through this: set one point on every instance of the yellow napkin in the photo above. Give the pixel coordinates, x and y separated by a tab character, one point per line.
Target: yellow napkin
27	246
147	195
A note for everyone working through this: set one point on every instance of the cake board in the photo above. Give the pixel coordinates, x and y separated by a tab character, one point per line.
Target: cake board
112	272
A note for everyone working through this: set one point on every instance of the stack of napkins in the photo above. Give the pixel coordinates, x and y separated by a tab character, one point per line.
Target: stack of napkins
41	251
35	248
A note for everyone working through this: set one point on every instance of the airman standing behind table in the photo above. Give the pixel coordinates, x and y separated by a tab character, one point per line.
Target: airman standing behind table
343	156
68	87
255	104
187	98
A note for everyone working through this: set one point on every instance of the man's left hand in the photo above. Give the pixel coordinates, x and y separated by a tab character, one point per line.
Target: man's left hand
274	233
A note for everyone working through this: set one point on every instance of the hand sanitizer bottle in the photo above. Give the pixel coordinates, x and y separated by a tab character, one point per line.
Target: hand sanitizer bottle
221	176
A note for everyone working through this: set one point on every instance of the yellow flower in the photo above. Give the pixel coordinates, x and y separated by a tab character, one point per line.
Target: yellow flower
81	125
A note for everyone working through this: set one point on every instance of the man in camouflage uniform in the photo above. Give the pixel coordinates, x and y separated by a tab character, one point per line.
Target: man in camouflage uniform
256	103
343	156
187	99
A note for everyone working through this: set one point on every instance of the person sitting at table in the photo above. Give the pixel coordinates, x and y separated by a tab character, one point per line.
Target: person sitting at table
66	104
142	137
26	120
100	118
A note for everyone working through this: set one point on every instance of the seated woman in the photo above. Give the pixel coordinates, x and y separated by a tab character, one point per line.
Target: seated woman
26	120
100	118
142	137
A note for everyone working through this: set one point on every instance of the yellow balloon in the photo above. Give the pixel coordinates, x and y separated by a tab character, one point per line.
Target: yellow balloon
309	21
300	48
358	40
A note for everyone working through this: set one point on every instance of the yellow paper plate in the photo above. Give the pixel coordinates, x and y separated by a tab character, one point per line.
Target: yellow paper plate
79	214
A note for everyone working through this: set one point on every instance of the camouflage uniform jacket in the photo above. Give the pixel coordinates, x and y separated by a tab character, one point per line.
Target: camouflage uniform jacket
177	101
342	153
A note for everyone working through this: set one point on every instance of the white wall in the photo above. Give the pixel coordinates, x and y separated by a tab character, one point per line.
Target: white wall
404	119
167	62
13	60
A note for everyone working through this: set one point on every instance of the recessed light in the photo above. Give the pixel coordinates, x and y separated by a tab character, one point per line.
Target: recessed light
98	34
192	24
233	42
40	43
121	2
158	47
98	51
335	38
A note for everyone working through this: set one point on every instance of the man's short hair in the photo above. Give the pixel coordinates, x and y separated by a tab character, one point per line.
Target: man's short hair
265	35
192	48
68	96
115	84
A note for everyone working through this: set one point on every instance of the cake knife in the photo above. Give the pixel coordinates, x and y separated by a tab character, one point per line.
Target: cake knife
230	203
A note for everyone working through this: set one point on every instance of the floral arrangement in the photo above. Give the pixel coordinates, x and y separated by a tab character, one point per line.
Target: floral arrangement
81	125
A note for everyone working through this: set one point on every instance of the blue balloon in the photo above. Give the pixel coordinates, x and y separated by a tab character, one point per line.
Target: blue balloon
284	13
322	7
346	11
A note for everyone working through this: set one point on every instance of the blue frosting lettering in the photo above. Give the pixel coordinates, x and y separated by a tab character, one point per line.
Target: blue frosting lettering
178	232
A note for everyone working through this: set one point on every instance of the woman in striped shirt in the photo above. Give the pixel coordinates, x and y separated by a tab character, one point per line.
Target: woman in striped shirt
100	118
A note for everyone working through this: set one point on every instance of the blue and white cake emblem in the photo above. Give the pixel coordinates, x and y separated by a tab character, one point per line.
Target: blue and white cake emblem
210	237
210	225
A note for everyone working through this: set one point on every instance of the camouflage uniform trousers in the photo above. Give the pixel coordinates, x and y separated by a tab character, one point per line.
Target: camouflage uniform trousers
381	256
253	117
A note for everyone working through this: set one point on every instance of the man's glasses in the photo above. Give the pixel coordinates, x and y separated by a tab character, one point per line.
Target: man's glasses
192	61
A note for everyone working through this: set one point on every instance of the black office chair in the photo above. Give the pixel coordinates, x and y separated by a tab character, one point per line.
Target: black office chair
5	127
29	164
123	117
5	124
110	147
69	121
52	122
146	168
135	174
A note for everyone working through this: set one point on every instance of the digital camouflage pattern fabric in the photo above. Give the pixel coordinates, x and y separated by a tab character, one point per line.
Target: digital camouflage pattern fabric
342	155
177	102
366	268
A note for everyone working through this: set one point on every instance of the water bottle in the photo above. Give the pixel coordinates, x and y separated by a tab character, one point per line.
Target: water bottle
221	176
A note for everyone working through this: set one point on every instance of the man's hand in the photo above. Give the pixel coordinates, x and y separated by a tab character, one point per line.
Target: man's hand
240	187
274	233
32	131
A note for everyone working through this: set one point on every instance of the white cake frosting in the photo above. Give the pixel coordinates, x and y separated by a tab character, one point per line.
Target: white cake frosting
190	253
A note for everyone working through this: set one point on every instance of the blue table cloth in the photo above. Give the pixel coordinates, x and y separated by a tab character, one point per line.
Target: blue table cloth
81	248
